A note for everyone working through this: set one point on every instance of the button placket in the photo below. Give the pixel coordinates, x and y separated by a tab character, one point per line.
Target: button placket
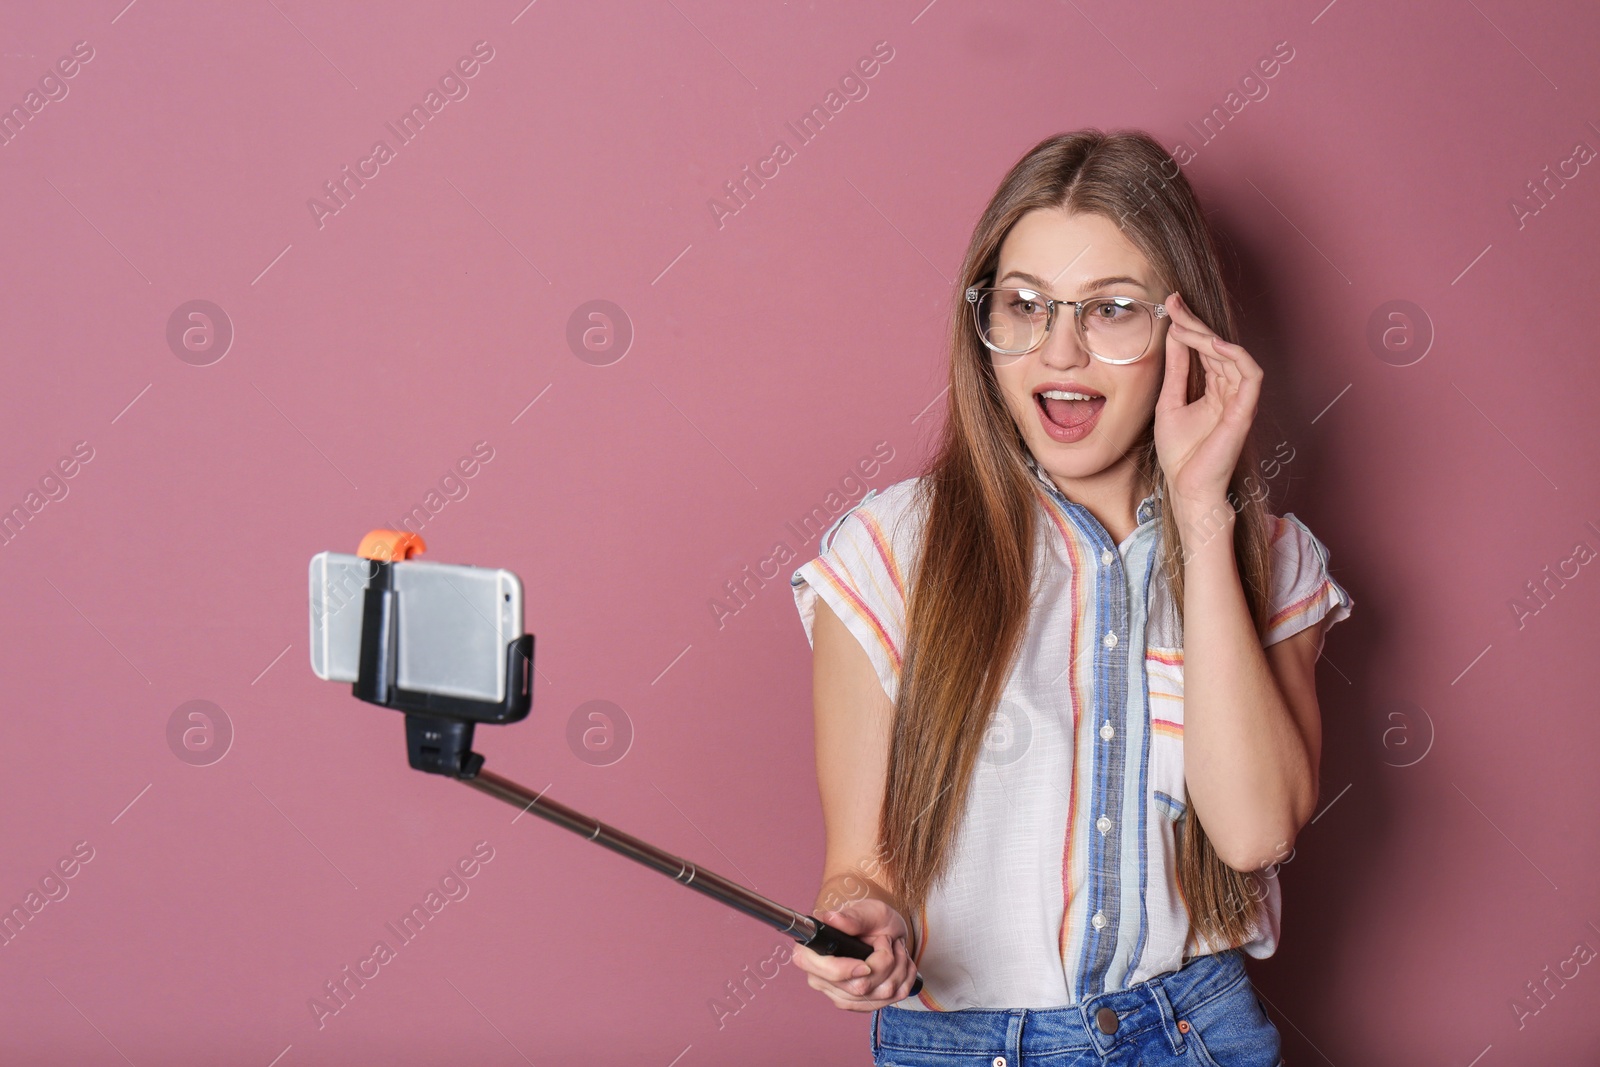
1114	583
1112	600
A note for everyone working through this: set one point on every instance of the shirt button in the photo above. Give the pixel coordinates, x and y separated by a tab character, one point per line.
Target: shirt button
1106	731
1110	639
1103	823
1105	556
1099	920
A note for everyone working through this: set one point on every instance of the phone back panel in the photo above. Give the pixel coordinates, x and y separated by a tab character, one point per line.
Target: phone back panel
338	585
454	623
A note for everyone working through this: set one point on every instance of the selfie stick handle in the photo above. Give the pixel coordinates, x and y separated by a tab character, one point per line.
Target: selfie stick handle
807	930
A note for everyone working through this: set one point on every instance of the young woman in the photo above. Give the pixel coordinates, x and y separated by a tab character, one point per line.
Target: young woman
1066	713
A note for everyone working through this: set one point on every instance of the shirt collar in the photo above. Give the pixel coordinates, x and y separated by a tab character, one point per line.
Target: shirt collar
1149	508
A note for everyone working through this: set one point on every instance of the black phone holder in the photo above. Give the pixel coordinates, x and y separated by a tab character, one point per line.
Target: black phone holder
439	731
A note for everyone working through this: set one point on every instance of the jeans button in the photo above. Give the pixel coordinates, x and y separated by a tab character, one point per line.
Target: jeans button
1106	1019
999	1061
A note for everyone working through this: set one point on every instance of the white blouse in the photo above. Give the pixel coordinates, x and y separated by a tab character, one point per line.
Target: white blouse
1063	881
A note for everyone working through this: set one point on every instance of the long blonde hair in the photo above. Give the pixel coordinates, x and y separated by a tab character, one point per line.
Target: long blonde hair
970	595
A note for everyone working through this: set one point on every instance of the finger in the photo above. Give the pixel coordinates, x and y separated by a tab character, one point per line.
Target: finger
1230	357
806	959
886	981
1239	357
847	1003
854	1005
845	971
848	992
860	984
1229	381
1199	338
882	965
1186	333
1214	351
889	988
836	991
1181	314
1175	383
843	920
834	969
1226	365
1242	406
1220	378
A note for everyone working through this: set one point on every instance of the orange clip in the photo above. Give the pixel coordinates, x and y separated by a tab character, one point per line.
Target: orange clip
390	546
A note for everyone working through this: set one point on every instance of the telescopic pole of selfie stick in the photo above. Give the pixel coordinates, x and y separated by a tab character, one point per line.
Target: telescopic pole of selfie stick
439	741
809	931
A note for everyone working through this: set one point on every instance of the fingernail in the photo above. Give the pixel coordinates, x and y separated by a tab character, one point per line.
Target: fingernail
861	971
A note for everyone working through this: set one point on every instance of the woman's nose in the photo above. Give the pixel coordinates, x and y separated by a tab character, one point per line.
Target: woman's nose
1062	347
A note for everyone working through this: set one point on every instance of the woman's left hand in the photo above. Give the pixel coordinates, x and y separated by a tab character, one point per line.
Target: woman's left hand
1198	443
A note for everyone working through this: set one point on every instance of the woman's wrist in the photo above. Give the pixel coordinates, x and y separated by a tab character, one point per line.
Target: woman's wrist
1203	523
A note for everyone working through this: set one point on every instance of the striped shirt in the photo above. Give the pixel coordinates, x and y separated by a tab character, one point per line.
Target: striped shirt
1062	883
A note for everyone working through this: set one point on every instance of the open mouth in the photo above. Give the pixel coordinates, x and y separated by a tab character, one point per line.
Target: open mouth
1069	410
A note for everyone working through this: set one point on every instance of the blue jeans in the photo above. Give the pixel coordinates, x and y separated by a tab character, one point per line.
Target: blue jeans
1205	1014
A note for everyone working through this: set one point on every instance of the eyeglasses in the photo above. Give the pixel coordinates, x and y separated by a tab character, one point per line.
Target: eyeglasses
1114	329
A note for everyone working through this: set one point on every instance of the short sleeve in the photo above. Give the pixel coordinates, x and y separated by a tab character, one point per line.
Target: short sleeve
858	574
1303	593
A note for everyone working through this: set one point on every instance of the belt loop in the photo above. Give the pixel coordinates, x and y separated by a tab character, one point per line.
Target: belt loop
1169	1019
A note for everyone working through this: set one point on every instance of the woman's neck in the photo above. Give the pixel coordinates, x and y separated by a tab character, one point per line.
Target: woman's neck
1112	497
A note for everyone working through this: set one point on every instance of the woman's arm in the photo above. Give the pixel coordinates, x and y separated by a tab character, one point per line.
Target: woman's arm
854	719
1252	730
1250	733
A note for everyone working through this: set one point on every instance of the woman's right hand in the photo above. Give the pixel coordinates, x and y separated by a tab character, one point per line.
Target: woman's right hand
863	985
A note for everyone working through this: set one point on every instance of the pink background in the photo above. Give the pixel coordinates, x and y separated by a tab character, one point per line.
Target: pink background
1454	859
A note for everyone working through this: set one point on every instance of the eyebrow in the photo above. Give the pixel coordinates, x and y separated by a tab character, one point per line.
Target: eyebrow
1098	283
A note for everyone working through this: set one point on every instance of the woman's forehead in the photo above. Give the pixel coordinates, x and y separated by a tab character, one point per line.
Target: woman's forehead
1058	252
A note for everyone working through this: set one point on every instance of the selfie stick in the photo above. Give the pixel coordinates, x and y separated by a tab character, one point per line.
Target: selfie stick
439	741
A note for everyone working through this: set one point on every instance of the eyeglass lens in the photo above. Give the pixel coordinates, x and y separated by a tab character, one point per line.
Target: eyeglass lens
1012	322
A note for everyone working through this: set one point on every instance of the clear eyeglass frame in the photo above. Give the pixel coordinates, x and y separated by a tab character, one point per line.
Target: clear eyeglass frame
975	293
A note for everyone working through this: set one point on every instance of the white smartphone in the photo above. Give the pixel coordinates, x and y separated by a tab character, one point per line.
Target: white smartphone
455	623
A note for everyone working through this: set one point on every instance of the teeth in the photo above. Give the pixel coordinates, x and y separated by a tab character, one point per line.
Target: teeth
1062	394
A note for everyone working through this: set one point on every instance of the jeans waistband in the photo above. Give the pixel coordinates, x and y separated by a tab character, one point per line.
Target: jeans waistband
1158	1002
